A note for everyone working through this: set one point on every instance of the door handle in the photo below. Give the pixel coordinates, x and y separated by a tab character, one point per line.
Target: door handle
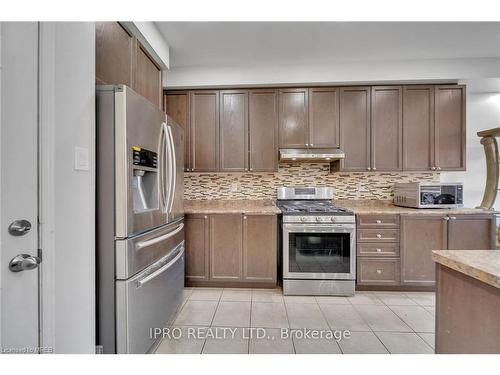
24	262
19	227
156	240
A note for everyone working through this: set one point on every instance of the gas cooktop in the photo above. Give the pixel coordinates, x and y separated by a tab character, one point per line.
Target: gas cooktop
319	207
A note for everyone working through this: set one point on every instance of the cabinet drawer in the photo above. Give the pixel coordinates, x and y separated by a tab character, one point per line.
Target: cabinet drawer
378	221
376	271
378	249
378	235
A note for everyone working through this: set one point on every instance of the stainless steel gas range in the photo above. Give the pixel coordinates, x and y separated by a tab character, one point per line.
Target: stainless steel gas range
318	244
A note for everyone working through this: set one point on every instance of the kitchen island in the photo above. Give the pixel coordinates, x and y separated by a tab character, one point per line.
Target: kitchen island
467	301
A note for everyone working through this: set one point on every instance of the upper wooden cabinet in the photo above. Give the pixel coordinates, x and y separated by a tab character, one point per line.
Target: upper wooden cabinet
324	117
204	133
263	130
148	77
114	52
355	128
418	128
121	59
386	128
380	128
450	127
176	105
293	118
233	133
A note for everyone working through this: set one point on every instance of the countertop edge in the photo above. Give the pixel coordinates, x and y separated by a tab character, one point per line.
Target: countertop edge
470	270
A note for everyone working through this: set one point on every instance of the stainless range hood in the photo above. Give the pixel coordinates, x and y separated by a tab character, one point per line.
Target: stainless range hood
314	155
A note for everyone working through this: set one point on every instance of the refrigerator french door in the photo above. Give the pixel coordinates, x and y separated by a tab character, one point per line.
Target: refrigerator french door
140	230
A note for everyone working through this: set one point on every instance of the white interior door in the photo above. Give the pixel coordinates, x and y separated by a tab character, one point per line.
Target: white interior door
19	328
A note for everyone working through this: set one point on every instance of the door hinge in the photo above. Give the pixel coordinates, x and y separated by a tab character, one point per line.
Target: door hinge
39	255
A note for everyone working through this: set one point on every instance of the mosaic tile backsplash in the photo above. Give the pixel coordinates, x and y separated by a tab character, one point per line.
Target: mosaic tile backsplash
351	185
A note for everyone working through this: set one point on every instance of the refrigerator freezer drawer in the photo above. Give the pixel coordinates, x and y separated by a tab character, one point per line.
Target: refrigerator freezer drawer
136	253
148	300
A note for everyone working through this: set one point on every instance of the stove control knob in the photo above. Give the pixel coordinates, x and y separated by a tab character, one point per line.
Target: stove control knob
302	219
318	218
332	219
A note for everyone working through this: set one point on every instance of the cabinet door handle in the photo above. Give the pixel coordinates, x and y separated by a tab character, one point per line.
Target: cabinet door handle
379	221
446	218
453	218
379	272
379	250
205	217
433	168
244	217
379	235
311	144
438	168
374	169
368	169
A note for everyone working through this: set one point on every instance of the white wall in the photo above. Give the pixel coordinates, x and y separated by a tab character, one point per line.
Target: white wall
483	112
336	73
67	115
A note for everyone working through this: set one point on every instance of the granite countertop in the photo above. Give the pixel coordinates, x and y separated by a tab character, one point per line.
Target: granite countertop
246	206
483	265
387	207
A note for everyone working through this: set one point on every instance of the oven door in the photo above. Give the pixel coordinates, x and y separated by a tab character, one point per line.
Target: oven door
317	251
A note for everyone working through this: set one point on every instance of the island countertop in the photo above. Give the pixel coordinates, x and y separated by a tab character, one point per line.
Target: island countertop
243	206
483	265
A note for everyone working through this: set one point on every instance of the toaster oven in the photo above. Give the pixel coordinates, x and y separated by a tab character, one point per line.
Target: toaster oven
429	195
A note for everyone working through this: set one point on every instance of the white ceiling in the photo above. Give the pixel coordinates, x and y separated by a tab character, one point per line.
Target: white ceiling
259	43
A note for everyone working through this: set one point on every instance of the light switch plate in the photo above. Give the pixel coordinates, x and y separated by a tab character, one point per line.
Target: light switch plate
81	159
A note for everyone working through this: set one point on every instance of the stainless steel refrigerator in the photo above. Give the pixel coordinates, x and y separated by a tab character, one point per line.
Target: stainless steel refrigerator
140	235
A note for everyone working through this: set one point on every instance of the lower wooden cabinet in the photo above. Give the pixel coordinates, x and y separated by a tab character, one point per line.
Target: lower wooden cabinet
197	247
259	248
378	271
402	256
422	234
419	236
231	249
226	247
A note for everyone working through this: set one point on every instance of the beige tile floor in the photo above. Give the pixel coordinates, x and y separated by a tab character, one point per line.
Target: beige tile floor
378	322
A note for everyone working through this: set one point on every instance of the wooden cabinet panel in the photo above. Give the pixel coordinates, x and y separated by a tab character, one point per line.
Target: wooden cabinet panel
378	235
113	54
197	247
324	117
450	127
471	232
355	128
263	130
176	105
259	248
233	133
418	128
376	271
204	130
378	249
226	247
387	128
419	236
147	77
293	118
378	221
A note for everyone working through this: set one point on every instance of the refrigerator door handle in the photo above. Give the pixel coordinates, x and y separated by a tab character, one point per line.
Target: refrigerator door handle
159	271
164	168
173	169
143	244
